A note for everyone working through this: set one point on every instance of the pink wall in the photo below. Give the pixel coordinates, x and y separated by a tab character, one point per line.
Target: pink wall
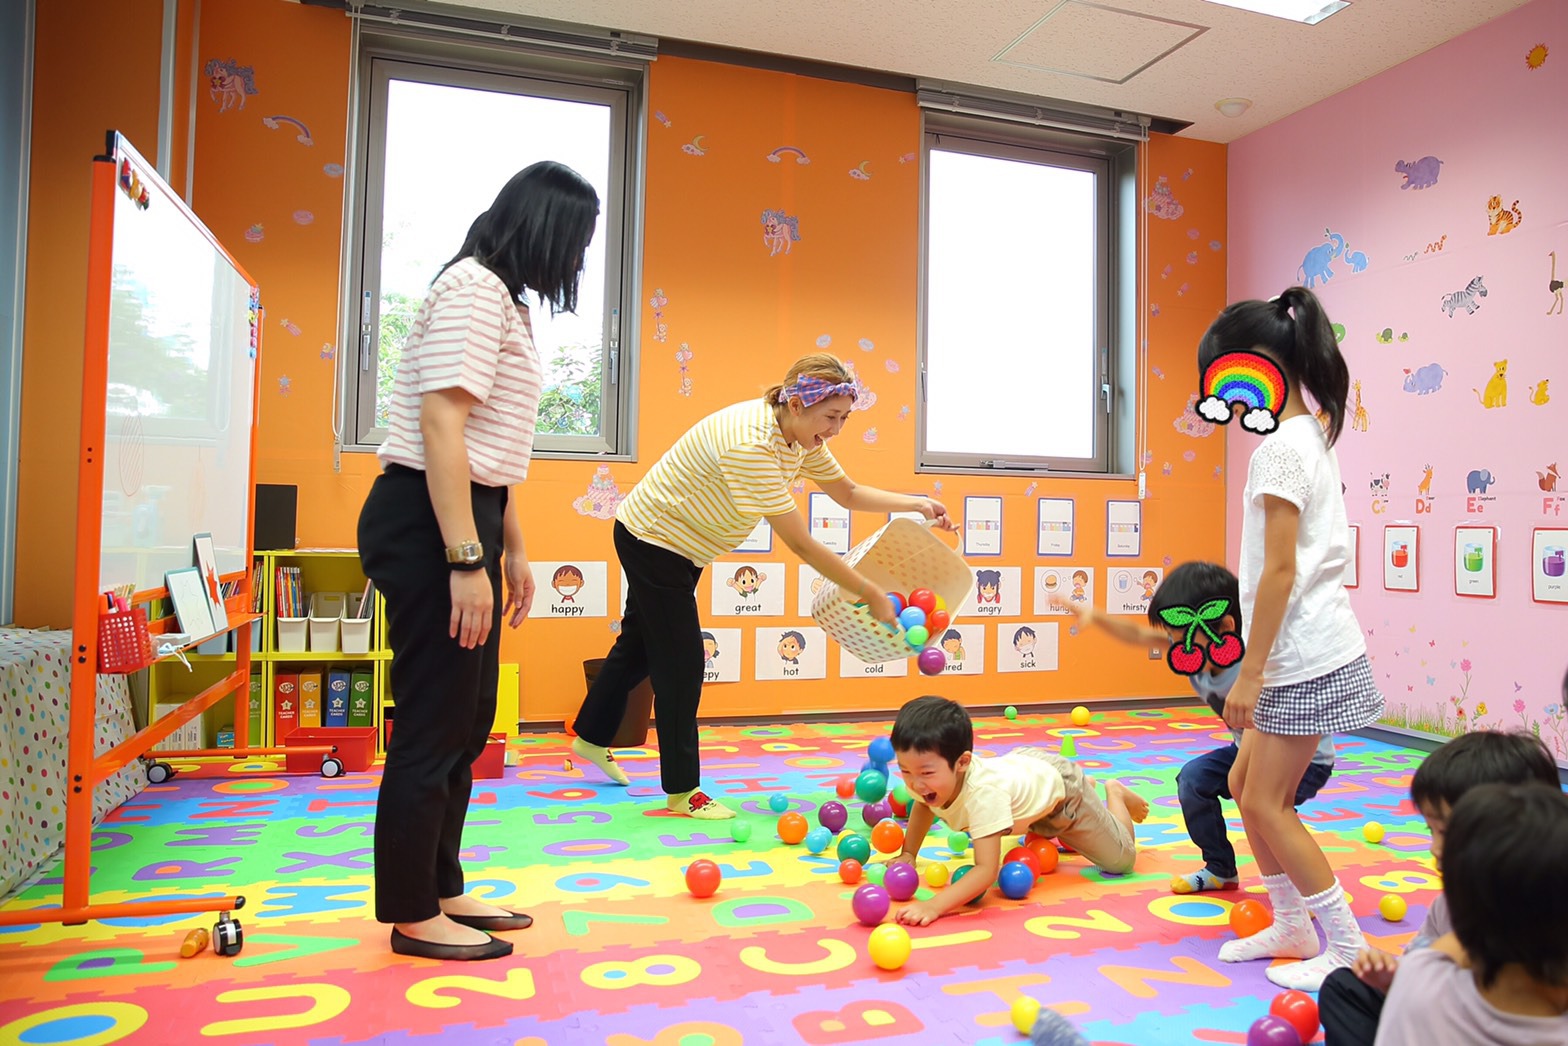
1491	106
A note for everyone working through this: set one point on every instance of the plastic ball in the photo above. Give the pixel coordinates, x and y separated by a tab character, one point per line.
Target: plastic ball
923	598
1298	1008
1046	853
1011	711
871	785
1080	715
880	749
963	870
916	637
941	604
937	620
740	830
1392	907
1272	1031
850	871
792	828
889	946
778	803
901	880
875	873
957	842
818	839
887	837
702	878
854	847
1026	1010
898	602
1023	855
1372	832
936	876
845	787
874	813
932	661
1016	879
870	904
900	809
912	617
833	816
900	792
1249	916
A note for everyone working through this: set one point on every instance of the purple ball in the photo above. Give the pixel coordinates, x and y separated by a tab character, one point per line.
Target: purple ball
870	904
1272	1031
931	661
876	812
833	816
901	880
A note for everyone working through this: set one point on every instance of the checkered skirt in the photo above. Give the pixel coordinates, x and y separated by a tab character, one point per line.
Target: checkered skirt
1344	700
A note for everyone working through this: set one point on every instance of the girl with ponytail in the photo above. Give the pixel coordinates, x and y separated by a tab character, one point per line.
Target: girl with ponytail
1305	672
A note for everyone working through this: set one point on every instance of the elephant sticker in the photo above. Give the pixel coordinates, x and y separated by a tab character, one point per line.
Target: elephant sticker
1478	480
1317	265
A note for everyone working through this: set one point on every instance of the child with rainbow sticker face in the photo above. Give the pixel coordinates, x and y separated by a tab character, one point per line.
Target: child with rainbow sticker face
1246	379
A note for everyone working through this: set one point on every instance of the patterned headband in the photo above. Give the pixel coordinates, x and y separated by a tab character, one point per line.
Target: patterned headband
814	390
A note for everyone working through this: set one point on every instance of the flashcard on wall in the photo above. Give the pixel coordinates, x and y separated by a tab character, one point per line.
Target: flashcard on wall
1074	585
1029	647
851	667
1401	558
964	646
1353	561
748	589
1128	590
998	592
1123	529
796	652
721	655
918	517
1475	562
759	540
829	522
811	583
1549	578
1056	527
982	526
571	589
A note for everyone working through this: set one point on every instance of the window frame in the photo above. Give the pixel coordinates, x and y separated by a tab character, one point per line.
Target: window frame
621	85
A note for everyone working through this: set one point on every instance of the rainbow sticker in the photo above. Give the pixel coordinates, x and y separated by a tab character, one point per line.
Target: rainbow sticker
1249	379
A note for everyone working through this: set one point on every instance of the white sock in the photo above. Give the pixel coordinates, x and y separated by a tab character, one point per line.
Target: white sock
1290	936
1344	940
697	803
600	757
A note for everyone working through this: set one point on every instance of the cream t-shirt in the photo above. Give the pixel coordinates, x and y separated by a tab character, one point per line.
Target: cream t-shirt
1003	793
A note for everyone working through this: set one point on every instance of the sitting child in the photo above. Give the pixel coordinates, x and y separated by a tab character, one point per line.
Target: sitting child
1352	1000
1501	976
991	797
1204	781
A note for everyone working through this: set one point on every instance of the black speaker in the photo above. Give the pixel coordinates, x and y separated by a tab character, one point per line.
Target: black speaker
277	510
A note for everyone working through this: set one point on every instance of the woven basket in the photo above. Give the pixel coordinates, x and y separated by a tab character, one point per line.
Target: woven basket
902	556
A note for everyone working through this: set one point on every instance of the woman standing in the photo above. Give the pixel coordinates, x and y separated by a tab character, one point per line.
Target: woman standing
700	500
432	533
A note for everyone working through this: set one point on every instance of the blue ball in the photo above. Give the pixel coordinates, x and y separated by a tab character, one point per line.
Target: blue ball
897	601
818	839
881	749
778	803
872	764
1016	880
912	617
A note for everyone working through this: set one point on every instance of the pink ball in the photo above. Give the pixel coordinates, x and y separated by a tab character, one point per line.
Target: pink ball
1272	1031
833	816
901	880
870	904
932	660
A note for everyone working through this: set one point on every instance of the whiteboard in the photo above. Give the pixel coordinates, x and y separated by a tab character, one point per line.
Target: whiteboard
181	387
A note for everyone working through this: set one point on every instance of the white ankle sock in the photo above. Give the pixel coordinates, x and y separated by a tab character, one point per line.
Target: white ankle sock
1344	940
1291	935
600	757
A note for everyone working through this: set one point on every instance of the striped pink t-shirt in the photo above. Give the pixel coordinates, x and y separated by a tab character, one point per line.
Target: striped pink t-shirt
469	334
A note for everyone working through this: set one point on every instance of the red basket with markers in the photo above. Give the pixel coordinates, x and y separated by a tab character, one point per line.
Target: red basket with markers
124	642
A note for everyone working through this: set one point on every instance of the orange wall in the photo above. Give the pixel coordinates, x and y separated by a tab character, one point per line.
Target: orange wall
743	314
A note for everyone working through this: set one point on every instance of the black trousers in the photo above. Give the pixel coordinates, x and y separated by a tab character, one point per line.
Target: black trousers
1349	1010
444	694
660	640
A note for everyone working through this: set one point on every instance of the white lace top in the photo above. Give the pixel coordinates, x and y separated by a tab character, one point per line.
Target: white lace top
1320	632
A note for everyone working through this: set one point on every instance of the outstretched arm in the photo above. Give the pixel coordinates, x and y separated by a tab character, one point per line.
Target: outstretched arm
792	530
1128	630
852	495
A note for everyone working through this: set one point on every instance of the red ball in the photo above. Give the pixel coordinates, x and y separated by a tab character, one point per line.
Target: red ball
702	878
936	621
1299	1010
899	809
923	598
1045	852
845	787
850	871
1249	916
1023	855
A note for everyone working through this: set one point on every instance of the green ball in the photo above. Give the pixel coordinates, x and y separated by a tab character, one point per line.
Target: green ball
901	793
740	831
871	785
958	842
916	637
875	873
963	870
1011	712
854	847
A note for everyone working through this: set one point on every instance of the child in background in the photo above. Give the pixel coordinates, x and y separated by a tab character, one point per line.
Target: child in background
1204	781
1501	977
991	797
1305	671
1352	999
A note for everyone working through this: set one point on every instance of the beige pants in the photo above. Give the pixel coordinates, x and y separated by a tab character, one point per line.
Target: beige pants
1082	821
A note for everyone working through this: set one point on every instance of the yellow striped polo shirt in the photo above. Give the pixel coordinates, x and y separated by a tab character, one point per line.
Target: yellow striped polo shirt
708	491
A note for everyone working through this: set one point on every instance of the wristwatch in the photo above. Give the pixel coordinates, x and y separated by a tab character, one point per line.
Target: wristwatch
466	555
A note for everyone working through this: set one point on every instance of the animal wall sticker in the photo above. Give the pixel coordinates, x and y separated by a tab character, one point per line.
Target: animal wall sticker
1421	174
1547	480
1423	381
1538	394
1359	422
1500	219
1317	265
1496	394
1468	299
1424	488
1478	480
1555	286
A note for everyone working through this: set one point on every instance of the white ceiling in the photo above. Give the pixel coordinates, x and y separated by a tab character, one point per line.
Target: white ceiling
1083	51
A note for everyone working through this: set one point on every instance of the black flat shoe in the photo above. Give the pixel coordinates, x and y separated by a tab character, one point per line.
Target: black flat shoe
403	944
492	923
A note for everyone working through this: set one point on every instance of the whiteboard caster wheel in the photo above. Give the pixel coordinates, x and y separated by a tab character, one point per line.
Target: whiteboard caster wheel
158	773
227	936
331	767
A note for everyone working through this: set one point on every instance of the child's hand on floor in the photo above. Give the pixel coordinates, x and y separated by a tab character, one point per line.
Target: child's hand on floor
1375	968
921	913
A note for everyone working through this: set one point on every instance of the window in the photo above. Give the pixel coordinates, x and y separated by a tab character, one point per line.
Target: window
441	129
1026	331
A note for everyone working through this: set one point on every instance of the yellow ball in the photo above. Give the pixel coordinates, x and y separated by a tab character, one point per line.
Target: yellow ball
1026	1010
1080	716
941	604
1372	832
936	876
1392	906
889	946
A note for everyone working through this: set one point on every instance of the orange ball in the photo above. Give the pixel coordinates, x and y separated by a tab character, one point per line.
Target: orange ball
937	621
702	878
887	837
845	787
792	828
1248	917
849	871
1024	855
1045	852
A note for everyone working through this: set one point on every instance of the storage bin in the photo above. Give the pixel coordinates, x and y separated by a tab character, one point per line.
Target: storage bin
492	761
356	635
324	634
356	748
291	634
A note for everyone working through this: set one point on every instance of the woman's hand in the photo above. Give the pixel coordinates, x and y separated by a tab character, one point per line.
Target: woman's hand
881	606
473	608
519	590
1241	700
936	512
